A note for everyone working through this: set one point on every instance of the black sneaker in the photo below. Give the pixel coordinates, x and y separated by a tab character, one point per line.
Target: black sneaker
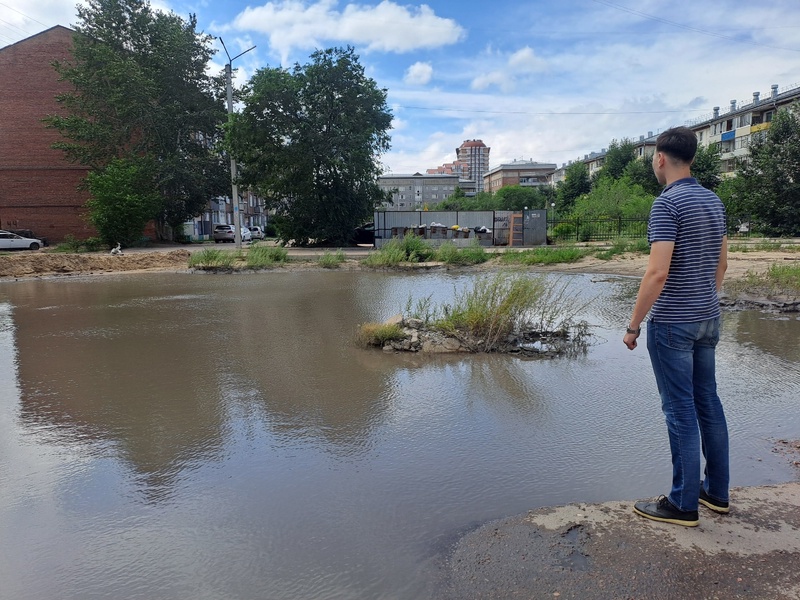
663	510
712	503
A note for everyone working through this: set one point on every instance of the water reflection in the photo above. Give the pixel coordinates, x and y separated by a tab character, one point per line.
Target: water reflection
180	436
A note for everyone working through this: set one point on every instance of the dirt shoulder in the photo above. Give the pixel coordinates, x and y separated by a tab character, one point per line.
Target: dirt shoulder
40	264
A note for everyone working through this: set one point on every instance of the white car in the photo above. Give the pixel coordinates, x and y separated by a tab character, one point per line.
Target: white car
256	232
227	233
12	241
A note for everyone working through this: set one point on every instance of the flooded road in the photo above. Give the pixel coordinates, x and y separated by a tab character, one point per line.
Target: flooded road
200	436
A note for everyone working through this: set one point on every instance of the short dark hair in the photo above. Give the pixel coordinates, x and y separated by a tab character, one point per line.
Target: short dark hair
679	143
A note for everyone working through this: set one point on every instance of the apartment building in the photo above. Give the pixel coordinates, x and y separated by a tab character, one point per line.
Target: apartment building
734	128
476	155
417	191
526	173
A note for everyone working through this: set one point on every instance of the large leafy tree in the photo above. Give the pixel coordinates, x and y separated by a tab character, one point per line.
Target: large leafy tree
140	89
706	166
309	140
640	172
614	198
771	176
576	183
618	156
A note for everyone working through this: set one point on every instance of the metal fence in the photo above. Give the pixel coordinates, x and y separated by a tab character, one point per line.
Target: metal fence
391	224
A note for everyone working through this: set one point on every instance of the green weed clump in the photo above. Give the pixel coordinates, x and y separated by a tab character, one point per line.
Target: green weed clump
260	257
450	254
211	258
568	254
410	248
378	334
71	245
778	280
331	260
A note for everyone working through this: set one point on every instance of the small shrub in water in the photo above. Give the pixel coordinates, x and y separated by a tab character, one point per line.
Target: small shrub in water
266	256
211	258
377	334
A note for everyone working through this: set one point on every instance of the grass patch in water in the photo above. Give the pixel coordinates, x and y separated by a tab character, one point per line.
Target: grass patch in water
544	256
331	260
211	258
259	257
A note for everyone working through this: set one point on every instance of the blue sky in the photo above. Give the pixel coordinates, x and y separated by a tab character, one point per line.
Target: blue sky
548	80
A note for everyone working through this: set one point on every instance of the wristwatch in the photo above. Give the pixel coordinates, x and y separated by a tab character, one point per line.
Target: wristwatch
634	331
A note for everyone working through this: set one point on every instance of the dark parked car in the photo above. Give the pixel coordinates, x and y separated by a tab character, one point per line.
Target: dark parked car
364	234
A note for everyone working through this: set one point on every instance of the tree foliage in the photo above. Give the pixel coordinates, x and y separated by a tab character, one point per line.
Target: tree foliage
576	183
618	156
123	199
640	172
706	166
140	89
771	176
614	198
309	141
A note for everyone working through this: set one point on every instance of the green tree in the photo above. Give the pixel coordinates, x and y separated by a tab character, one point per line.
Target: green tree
640	172
140	89
575	184
706	166
123	199
614	198
771	176
618	156
309	141
517	197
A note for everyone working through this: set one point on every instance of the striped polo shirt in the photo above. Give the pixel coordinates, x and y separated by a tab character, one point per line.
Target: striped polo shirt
694	218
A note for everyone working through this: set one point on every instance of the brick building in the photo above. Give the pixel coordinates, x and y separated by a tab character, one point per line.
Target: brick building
38	187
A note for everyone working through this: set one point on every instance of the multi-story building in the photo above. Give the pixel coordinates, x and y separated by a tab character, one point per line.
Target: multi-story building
734	128
417	191
39	189
524	173
476	155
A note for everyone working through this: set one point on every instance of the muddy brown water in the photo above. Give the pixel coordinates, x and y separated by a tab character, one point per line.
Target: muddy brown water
204	436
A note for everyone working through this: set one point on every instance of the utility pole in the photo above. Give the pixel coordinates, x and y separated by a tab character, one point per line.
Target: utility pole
237	217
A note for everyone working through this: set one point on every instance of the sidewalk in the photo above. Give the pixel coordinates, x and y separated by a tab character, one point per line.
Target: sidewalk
605	551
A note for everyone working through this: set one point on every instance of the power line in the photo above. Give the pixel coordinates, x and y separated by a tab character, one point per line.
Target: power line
30	18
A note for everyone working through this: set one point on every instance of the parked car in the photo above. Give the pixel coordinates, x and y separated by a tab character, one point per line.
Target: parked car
27	233
227	233
12	241
256	232
365	234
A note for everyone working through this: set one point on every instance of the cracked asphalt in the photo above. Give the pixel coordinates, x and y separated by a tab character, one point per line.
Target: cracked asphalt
605	551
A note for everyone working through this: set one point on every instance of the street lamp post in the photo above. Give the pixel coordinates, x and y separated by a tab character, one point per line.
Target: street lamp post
237	218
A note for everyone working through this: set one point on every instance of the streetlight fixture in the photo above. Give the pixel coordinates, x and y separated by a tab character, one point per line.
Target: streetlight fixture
237	218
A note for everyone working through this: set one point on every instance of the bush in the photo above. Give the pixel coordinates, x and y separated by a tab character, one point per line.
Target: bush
72	245
564	231
377	334
410	248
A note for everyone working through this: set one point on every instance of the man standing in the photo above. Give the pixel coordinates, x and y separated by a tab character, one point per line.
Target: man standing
688	259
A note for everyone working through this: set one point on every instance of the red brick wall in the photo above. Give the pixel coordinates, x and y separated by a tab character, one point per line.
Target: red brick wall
38	188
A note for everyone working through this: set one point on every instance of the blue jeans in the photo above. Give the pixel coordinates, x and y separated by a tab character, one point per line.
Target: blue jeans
683	362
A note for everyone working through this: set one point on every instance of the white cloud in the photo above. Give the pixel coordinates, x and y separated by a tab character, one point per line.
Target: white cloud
526	61
386	27
419	73
503	81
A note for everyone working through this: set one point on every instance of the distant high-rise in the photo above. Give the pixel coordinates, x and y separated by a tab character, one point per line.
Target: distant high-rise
476	155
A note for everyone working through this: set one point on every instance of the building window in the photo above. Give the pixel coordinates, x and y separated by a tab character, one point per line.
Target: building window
768	116
700	136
